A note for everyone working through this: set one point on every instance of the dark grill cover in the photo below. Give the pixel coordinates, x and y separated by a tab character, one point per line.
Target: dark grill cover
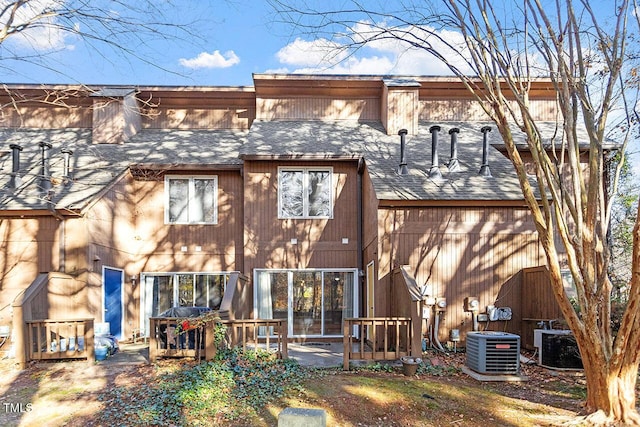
184	312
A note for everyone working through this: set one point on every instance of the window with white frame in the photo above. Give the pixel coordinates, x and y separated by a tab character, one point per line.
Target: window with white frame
305	193
191	199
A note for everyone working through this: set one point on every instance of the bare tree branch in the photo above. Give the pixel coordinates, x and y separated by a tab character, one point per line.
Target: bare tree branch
505	47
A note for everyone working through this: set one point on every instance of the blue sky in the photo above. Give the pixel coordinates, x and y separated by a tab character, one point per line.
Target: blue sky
236	38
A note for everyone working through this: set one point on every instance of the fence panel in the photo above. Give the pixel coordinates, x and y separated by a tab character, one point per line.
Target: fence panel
60	339
199	342
376	338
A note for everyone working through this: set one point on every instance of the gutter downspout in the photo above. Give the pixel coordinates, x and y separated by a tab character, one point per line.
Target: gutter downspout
359	234
62	244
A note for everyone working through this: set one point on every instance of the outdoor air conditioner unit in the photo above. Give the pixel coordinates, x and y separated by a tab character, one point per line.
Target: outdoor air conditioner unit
491	352
557	349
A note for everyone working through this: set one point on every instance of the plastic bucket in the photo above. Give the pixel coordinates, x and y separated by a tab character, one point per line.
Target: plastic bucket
101	353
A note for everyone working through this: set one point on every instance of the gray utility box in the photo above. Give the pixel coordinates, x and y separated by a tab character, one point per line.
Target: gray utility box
491	352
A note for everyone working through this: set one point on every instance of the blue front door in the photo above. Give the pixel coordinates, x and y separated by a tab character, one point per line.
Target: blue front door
113	279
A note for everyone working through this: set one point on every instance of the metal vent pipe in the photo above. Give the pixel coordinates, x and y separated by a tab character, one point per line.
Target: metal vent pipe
484	169
15	180
434	172
402	168
66	171
454	165
45	178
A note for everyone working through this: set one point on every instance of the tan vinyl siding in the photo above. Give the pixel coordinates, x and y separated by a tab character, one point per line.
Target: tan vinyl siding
460	252
201	108
45	117
30	246
143	237
318	108
434	110
200	118
32	106
319	241
398	110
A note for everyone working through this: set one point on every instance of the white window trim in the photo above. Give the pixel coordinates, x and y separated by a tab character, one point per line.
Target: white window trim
305	171
191	179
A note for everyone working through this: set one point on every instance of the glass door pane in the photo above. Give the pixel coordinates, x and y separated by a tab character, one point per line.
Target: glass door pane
338	300
306	291
202	287
272	299
185	290
162	294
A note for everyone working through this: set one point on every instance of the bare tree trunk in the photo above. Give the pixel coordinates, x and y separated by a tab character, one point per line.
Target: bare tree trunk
506	45
611	381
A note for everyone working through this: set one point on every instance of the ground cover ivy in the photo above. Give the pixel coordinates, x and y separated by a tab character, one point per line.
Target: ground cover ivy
231	386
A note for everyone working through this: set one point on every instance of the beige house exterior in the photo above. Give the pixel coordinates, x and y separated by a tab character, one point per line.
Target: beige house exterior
282	200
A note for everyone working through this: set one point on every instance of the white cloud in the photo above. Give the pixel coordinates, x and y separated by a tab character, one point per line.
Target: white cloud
41	30
281	70
383	56
311	53
212	60
367	65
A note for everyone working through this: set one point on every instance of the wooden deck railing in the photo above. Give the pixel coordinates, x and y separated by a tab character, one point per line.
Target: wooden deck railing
199	343
252	333
376	338
165	342
60	339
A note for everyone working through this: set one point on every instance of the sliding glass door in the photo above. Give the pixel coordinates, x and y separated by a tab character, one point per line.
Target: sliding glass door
162	291
306	311
314	302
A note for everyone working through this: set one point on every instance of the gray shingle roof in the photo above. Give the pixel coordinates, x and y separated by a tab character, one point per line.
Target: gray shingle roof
465	184
95	166
381	152
308	138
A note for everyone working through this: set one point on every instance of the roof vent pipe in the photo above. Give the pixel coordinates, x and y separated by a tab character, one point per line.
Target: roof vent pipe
484	169
434	172
402	169
15	180
45	178
66	175
454	165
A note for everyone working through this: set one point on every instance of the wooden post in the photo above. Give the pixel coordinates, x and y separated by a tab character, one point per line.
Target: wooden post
346	345
153	341
88	341
19	337
284	336
416	330
210	348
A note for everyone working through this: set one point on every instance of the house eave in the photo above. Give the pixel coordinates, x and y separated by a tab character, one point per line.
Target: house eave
302	156
37	213
389	203
184	166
